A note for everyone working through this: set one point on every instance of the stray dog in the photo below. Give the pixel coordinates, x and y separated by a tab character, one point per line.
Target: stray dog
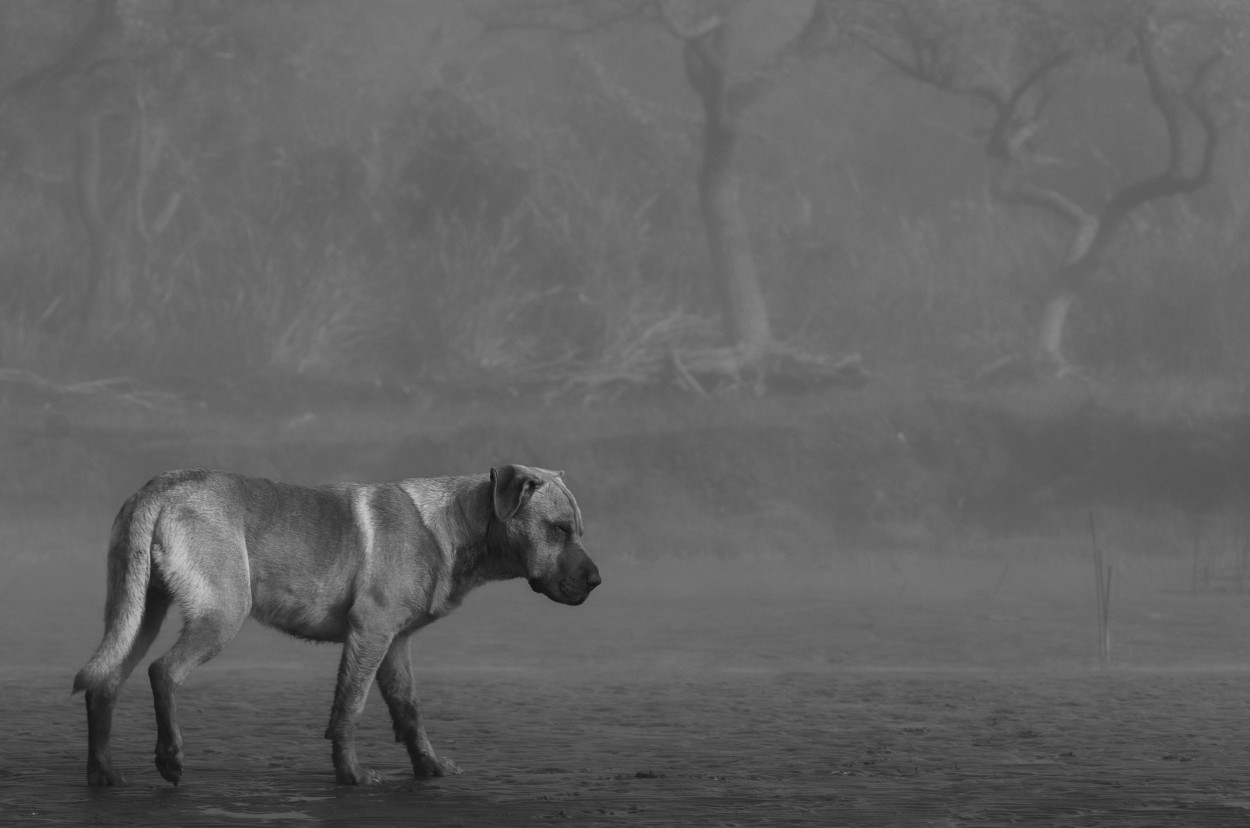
362	564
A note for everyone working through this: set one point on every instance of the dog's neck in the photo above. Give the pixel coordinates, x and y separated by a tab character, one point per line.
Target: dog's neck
483	552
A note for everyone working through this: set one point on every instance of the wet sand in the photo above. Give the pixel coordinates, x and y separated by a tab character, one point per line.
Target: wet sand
890	690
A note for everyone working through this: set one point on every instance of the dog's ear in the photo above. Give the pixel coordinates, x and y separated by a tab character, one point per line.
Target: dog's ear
511	488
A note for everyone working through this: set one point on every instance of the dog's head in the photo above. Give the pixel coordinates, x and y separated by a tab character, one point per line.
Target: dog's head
543	527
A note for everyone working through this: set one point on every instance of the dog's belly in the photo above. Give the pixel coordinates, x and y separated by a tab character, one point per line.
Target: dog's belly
302	623
303	568
304	609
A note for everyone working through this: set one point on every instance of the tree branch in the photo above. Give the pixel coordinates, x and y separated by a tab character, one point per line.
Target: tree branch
930	45
1010	129
811	39
1049	200
566	18
1172	180
686	30
924	64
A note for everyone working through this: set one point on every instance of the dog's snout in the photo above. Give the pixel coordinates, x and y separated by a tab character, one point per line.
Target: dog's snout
592	576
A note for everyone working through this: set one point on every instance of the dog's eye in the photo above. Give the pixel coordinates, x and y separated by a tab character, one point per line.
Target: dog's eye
562	529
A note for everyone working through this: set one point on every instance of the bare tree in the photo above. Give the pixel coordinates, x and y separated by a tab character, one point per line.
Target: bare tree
712	34
707	36
1035	40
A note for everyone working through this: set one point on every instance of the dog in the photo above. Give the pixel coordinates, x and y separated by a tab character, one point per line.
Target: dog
362	564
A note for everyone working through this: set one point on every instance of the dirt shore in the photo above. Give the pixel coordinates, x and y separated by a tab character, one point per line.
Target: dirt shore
887	690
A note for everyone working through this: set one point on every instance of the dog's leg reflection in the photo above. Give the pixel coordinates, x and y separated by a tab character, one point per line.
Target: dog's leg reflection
400	691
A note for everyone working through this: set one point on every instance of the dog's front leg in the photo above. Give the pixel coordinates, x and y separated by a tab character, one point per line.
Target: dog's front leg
400	692
362	653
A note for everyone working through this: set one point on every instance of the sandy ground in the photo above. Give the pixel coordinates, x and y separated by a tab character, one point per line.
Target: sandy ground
874	689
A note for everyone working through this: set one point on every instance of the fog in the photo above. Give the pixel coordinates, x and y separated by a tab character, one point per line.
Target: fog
870	341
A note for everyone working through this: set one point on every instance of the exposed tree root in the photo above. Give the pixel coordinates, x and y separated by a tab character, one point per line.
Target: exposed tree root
707	370
777	368
1013	368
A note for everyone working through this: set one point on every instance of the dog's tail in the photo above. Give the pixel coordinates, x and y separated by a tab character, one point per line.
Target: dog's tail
129	571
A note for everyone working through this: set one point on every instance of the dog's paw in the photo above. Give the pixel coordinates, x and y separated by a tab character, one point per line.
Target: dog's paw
103	775
169	763
431	766
357	775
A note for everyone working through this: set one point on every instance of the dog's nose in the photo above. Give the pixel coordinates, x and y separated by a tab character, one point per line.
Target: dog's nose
592	576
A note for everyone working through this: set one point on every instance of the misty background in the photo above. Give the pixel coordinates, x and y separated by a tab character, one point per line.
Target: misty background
764	278
896	352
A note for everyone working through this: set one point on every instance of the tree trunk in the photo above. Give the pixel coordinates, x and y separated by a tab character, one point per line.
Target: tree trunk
734	271
1084	254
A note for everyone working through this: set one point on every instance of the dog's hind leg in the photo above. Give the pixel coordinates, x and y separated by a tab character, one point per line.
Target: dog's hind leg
362	653
102	698
400	692
203	637
215	597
